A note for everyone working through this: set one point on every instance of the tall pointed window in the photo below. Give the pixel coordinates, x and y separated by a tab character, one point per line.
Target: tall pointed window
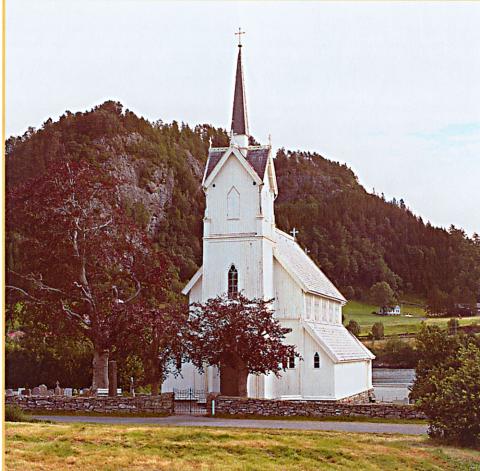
233	204
316	360
232	282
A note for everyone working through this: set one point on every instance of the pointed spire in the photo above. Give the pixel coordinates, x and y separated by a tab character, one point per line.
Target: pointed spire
239	115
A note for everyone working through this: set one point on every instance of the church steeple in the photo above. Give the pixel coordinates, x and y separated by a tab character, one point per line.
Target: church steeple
239	115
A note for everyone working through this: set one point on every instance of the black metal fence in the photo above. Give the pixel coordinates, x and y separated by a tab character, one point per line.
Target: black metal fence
190	401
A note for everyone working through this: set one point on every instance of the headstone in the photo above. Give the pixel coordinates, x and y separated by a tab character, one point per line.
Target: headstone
36	391
43	390
27	392
50	392
68	392
9	393
58	389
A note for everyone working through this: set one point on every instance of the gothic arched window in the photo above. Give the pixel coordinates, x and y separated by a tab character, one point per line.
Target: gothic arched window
316	360
233	204
232	282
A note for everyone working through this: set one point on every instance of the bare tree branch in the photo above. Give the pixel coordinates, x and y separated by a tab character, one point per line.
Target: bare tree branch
24	293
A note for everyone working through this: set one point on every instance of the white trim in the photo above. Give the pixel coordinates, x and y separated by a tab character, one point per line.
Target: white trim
236	152
192	281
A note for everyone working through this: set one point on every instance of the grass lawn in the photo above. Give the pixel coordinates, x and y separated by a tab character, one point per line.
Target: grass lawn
362	313
122	447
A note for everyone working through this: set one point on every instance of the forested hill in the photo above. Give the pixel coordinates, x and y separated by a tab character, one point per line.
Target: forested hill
357	238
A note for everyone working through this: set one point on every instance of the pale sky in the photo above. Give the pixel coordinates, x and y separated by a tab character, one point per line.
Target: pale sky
391	89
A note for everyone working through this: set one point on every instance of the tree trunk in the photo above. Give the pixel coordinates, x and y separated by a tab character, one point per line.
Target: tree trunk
155	387
112	378
100	369
233	379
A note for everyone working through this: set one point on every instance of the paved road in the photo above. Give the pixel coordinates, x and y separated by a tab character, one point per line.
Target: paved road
195	421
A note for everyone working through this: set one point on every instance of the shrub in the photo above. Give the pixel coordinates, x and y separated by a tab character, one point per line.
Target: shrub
13	413
354	327
378	331
452	405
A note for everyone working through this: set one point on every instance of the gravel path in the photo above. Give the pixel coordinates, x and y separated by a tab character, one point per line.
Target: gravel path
195	421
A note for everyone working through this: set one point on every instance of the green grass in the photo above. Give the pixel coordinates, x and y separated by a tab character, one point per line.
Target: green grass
330	418
50	447
394	325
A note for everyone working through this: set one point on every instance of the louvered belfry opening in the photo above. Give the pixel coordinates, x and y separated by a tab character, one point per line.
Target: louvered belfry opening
232	282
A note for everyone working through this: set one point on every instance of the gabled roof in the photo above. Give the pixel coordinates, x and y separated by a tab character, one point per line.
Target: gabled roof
339	344
302	268
256	157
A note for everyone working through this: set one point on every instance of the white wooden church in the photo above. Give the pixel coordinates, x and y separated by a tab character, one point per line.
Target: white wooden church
244	252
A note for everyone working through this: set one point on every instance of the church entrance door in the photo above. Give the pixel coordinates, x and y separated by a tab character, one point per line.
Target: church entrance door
190	401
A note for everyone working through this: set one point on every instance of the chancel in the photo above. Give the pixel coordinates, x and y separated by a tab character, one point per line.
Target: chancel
243	251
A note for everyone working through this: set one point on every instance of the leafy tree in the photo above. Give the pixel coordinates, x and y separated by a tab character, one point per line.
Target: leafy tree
354	327
382	294
452	405
81	266
437	352
159	341
241	337
378	331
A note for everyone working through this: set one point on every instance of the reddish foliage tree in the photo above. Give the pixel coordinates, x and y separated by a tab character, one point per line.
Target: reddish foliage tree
159	341
79	263
240	336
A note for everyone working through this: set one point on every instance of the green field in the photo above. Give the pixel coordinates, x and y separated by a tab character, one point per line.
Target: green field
53	447
394	325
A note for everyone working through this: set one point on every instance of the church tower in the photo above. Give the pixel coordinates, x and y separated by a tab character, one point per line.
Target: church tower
244	252
240	188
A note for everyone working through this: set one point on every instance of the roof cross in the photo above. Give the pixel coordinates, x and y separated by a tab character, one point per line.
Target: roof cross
294	233
239	34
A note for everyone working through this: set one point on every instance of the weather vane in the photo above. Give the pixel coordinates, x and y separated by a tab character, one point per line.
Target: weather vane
239	34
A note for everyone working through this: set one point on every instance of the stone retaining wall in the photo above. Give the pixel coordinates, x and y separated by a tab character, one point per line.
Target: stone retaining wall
226	405
162	404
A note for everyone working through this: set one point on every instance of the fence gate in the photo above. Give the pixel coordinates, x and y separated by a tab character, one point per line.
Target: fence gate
190	401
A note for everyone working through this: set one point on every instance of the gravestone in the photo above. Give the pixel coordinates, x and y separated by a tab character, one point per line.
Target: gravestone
50	392
43	390
36	391
27	392
68	392
58	389
9	392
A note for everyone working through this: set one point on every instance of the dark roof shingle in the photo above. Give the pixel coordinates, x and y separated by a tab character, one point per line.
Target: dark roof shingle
256	157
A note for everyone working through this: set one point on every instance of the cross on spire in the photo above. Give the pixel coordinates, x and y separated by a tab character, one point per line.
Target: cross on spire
239	34
294	232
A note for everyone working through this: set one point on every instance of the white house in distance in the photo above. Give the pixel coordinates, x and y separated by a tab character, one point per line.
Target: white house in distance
244	251
390	310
